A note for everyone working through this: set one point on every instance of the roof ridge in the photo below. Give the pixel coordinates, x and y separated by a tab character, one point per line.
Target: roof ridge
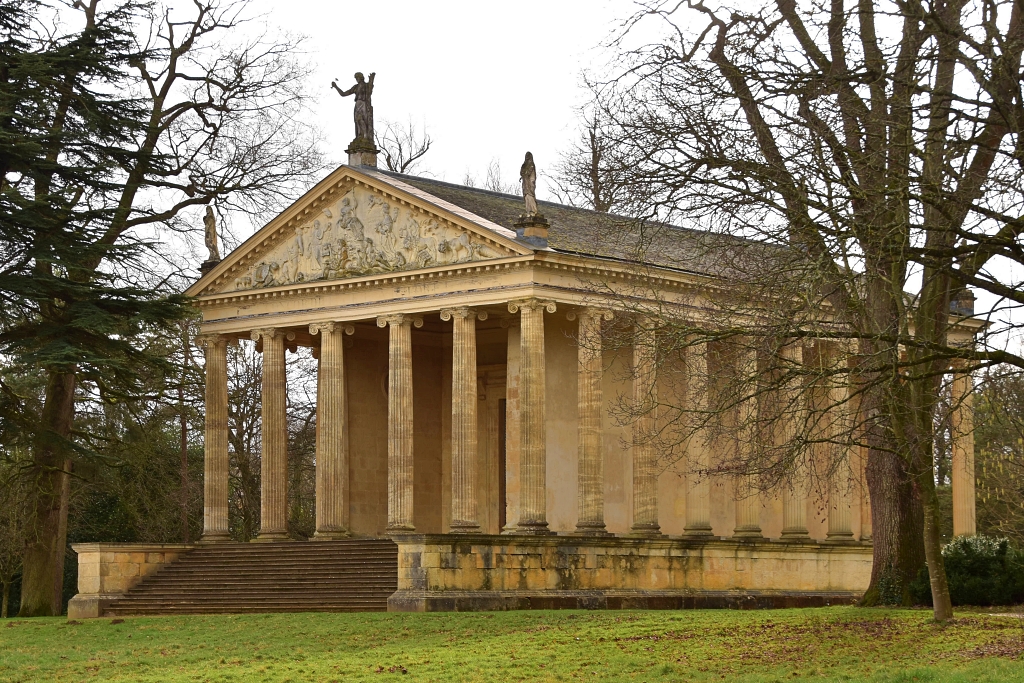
506	195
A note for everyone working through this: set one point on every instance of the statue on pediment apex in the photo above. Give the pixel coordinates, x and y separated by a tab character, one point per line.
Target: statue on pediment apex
363	114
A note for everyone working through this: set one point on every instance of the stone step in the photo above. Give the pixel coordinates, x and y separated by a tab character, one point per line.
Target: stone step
253	590
264	601
330	576
286	569
113	612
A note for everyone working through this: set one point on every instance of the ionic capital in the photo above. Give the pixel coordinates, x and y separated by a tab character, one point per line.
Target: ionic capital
347	328
266	333
399	319
462	312
589	312
531	305
211	340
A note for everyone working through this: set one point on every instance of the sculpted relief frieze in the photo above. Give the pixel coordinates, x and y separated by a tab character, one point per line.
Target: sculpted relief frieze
363	234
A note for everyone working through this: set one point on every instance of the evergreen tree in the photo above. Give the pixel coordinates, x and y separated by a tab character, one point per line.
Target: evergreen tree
111	126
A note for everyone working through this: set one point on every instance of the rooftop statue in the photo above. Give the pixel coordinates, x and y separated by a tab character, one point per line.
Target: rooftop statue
528	177
363	90
210	223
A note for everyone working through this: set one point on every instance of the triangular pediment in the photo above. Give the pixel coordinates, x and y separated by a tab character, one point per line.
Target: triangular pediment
356	224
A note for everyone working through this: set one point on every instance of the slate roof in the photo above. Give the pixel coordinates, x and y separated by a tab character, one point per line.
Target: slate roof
592	233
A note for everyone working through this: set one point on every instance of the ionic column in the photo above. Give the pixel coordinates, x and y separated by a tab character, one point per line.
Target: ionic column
590	465
274	434
645	473
215	451
748	502
698	496
332	432
532	426
464	418
400	421
839	517
794	491
962	467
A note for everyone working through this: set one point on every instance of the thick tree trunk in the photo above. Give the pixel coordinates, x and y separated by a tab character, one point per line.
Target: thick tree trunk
42	580
6	600
897	529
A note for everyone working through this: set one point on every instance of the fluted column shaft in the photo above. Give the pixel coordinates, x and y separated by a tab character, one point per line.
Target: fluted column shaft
532	421
645	473
464	420
332	434
748	502
400	422
215	463
794	492
839	513
590	463
274	434
698	496
962	467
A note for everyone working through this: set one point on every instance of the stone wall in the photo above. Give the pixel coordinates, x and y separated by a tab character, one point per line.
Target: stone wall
106	571
483	572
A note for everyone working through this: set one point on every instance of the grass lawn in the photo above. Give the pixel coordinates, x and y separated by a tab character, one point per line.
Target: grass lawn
831	644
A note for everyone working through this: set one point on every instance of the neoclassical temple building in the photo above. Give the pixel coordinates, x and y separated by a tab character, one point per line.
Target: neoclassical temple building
464	413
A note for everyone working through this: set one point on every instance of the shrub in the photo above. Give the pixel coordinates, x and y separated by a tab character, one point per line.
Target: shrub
981	571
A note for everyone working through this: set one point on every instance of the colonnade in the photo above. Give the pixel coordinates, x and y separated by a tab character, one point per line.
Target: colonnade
332	458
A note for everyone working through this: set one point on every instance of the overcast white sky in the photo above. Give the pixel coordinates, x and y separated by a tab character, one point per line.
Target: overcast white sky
489	80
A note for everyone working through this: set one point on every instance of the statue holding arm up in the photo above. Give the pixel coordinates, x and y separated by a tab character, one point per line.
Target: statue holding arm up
363	90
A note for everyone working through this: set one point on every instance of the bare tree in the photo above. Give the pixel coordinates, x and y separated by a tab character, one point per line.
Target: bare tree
493	180
245	378
403	146
591	173
13	525
873	149
1000	456
205	115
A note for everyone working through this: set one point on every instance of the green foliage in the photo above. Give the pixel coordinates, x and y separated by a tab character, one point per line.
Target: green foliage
981	571
67	117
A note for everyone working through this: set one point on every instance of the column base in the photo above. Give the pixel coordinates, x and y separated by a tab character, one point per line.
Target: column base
534	529
272	537
331	535
698	531
400	529
642	530
463	528
840	537
215	537
747	532
795	534
592	531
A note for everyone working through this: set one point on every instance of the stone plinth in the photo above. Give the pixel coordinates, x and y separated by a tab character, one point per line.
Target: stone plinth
532	229
362	152
106	571
484	572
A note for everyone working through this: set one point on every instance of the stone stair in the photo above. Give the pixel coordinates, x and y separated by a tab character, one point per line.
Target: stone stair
351	575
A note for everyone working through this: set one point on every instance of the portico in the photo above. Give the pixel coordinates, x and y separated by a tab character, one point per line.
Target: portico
465	401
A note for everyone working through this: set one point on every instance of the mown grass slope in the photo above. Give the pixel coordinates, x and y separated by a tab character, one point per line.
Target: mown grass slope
833	644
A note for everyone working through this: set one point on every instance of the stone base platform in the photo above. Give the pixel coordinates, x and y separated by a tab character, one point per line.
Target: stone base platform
106	571
449	572
483	601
